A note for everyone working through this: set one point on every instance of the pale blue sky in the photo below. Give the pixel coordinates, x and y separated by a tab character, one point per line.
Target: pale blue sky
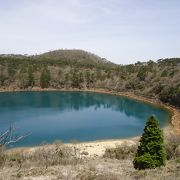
123	31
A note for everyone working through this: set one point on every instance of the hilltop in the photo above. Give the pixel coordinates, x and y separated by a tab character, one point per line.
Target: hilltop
75	55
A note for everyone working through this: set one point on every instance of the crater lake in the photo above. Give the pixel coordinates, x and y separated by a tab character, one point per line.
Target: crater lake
84	116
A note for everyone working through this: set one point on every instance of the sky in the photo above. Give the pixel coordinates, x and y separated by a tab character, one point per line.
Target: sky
122	31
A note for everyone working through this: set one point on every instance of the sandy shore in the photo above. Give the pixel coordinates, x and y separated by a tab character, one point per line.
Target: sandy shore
97	148
88	149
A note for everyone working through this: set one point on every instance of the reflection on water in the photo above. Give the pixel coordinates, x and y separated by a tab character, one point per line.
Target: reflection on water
74	115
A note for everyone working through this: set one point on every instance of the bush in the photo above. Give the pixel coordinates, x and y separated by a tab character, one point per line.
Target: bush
120	152
151	151
43	156
170	94
142	73
172	144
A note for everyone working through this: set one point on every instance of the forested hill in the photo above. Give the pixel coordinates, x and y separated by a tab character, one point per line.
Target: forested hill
76	56
67	69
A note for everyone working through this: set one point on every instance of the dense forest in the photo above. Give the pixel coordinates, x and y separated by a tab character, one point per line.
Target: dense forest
77	69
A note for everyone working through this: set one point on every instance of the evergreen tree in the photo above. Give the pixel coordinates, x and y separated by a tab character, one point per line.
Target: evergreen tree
11	70
45	78
151	151
2	77
142	73
30	76
87	75
74	79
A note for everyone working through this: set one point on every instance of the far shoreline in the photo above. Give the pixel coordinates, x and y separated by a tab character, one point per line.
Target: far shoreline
173	126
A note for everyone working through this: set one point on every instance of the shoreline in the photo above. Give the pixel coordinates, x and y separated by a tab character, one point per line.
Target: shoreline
174	112
89	149
97	147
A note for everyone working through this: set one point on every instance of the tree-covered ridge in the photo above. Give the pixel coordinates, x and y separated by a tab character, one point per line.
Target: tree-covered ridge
66	69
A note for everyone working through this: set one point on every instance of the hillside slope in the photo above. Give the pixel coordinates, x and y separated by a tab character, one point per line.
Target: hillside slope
77	69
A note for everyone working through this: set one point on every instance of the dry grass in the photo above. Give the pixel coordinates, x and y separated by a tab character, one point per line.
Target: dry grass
2	157
45	156
123	151
60	161
89	169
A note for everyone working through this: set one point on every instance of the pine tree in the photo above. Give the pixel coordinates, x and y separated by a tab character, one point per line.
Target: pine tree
45	78
151	151
2	78
87	75
74	79
30	76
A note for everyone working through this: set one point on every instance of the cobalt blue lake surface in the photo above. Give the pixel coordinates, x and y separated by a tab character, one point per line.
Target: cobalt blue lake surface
74	115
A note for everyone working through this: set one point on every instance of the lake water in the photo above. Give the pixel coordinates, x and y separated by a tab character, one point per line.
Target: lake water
49	116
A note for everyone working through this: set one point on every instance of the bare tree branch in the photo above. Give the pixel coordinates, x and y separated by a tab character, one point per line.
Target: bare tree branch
7	138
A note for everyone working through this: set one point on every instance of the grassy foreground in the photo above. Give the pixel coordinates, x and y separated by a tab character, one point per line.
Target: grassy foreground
84	161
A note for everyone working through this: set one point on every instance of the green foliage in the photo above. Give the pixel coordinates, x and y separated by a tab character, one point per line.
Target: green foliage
151	151
30	76
169	61
45	78
164	73
90	78
130	68
76	79
26	77
170	94
2	78
11	70
23	81
142	73
144	161
131	85
23	69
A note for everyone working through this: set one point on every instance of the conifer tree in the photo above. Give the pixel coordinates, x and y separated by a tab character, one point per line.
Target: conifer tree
2	78
151	151
45	78
30	76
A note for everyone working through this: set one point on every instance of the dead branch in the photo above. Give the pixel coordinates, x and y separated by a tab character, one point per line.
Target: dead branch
7	137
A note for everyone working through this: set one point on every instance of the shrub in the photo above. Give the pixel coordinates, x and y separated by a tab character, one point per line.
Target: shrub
172	144
170	94
151	151
57	154
142	73
95	175
120	152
